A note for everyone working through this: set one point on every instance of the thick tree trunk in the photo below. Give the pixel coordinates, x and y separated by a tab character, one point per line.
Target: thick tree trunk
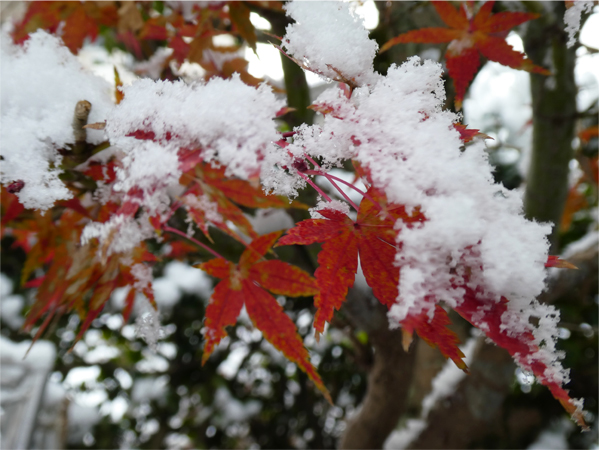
471	414
386	397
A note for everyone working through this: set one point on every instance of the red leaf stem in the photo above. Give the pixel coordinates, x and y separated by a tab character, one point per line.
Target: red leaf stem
311	183
195	241
336	186
347	183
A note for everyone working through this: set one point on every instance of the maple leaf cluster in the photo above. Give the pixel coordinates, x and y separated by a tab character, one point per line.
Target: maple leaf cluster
98	241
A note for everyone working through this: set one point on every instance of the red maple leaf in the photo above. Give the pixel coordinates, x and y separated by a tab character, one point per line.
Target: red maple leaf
11	208
556	261
468	134
435	333
245	283
483	34
372	238
488	315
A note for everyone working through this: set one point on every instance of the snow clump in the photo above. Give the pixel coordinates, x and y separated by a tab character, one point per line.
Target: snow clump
572	18
475	238
329	39
41	82
226	121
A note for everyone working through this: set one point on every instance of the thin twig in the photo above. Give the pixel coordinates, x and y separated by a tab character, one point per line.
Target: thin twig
345	196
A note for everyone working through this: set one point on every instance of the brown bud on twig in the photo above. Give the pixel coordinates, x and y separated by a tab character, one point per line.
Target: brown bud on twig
80	116
96	126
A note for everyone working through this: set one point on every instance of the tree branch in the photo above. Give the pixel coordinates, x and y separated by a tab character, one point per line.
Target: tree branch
476	411
82	110
298	91
389	378
553	119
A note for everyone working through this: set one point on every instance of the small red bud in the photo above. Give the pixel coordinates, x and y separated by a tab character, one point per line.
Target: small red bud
300	165
15	186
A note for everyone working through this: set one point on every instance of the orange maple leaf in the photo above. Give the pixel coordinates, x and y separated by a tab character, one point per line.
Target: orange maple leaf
244	193
483	34
239	14
244	283
226	193
80	20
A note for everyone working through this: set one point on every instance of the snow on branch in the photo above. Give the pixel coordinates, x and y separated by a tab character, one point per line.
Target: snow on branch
42	82
330	40
223	121
572	18
230	121
475	249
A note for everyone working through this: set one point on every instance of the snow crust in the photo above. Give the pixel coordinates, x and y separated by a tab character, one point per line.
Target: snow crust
413	153
572	18
148	327
123	233
204	204
328	36
41	82
336	205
